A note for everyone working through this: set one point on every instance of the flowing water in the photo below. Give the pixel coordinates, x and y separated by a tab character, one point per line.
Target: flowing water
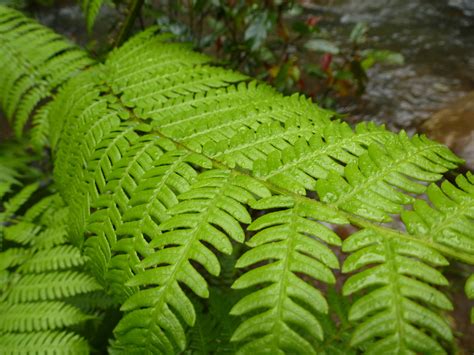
436	38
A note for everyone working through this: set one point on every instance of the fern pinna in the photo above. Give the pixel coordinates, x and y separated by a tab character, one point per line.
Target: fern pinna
167	164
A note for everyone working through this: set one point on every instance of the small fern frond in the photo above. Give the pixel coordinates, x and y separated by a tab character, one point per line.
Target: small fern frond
21	233
299	166
36	61
56	258
51	286
43	343
215	116
91	9
449	221
146	174
289	242
38	277
72	99
13	257
39	316
11	206
379	182
214	326
40	130
118	172
397	314
207	216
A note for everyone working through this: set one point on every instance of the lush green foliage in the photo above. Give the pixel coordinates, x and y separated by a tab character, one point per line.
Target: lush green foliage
181	181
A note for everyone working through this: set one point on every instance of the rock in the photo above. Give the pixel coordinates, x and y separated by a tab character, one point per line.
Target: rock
454	126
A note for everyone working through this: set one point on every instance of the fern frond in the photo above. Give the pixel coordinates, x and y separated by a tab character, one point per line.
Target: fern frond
13	257
155	192
133	74
159	157
88	136
53	236
289	242
398	312
34	316
21	233
248	145
43	343
299	166
38	316
11	206
379	182
449	221
91	9
36	61
72	99
116	170
214	116
209	212
117	176
214	325
146	49
40	130
57	258
14	166
52	285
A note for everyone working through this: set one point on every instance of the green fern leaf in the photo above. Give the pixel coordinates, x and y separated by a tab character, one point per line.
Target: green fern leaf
209	212
399	298
91	10
14	204
378	183
51	286
159	156
283	241
299	166
33	314
123	175
21	233
47	61
39	316
13	257
450	221
57	258
43	343
40	129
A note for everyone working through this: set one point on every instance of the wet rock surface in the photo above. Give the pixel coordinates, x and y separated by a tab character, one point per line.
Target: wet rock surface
436	38
454	126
